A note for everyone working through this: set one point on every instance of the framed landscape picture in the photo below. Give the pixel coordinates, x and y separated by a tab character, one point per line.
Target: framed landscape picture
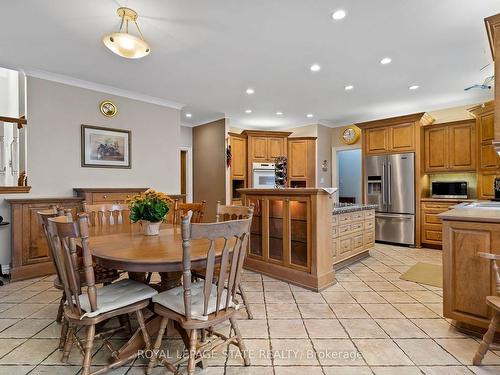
105	147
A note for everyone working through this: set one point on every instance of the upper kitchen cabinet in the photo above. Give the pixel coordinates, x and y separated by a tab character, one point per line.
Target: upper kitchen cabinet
393	135
238	156
302	162
450	147
485	130
265	146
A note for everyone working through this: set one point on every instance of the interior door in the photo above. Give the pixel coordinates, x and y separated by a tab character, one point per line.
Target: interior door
401	183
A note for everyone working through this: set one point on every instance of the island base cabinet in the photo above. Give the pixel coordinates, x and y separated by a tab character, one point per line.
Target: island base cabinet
289	237
467	278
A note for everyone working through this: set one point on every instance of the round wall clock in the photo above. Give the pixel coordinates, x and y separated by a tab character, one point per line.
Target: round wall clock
351	134
108	108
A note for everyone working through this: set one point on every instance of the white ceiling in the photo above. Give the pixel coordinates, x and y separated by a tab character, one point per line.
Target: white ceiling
205	54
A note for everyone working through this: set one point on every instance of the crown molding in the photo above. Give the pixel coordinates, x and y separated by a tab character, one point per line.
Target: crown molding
100	88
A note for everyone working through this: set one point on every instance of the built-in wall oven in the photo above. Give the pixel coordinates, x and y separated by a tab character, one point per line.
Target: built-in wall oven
263	175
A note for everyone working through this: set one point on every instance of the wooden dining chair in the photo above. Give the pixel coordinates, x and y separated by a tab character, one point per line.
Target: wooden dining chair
102	275
494	303
182	209
226	213
203	304
107	217
96	305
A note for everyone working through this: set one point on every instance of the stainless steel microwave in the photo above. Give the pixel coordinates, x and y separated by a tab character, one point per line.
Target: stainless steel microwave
450	189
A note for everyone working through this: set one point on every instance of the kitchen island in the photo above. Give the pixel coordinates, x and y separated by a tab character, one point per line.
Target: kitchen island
299	236
469	228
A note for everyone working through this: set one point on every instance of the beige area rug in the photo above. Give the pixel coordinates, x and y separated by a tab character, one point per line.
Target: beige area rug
425	273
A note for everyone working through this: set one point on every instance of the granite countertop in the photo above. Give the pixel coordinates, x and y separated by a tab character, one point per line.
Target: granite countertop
353	208
476	212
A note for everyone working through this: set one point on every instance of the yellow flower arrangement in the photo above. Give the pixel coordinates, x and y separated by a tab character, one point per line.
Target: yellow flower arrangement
151	205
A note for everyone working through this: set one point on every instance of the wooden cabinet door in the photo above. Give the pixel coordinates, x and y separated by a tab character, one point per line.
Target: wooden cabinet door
436	149
377	140
297	165
238	158
275	147
462	152
486	128
259	149
402	137
486	184
488	158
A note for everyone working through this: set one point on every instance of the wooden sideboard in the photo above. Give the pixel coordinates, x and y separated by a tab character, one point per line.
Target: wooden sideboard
30	253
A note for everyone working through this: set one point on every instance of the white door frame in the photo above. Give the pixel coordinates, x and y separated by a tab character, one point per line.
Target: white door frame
189	172
335	171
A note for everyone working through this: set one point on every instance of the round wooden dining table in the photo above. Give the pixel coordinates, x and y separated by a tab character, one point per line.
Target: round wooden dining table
126	248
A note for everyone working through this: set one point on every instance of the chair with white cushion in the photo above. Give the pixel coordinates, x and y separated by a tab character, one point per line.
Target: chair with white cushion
211	301
494	303
95	305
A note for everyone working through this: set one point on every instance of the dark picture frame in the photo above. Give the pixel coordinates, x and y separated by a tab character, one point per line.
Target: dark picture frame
103	147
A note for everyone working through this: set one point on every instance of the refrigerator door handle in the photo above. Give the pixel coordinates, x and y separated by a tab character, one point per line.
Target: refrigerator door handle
389	216
389	184
383	185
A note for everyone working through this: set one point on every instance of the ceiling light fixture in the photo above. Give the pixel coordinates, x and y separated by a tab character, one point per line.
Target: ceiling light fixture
250	91
413	87
315	68
348	87
124	44
309	115
248	111
279	113
338	14
189	115
386	60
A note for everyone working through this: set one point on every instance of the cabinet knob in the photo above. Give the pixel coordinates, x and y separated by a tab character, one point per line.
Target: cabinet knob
105	196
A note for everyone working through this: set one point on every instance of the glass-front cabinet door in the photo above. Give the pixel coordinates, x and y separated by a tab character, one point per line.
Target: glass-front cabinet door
256	231
277	226
299	219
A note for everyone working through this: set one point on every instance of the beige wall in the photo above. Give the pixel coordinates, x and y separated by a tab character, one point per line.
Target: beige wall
324	152
55	112
186	136
209	165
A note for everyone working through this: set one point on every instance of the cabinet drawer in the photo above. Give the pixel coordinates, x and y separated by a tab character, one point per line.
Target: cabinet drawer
335	231
343	229
356	216
357	226
368	238
345	245
369	214
112	197
357	241
432	235
443	206
344	218
335	219
369	224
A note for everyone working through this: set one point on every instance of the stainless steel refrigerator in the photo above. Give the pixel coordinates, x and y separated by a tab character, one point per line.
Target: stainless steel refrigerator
390	184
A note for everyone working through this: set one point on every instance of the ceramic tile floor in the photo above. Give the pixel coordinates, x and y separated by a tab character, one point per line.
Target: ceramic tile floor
371	322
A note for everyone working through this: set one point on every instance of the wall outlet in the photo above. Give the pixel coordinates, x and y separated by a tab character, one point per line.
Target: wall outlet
322	180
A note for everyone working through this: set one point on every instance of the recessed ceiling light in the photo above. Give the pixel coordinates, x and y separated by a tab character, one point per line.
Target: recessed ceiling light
248	111
250	91
338	14
386	60
315	68
189	115
309	115
348	87
279	113
413	87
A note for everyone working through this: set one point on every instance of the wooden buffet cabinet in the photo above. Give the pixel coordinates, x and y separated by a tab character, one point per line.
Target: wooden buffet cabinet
30	254
291	235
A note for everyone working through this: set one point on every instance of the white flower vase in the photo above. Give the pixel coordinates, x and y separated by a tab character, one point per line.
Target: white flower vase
149	228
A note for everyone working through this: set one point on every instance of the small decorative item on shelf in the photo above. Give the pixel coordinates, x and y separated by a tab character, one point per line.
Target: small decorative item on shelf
228	156
149	209
280	171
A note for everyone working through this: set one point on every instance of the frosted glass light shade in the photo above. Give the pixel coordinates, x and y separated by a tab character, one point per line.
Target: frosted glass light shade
127	45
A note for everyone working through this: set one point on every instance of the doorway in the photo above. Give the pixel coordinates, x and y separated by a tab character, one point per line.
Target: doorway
186	177
349	175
